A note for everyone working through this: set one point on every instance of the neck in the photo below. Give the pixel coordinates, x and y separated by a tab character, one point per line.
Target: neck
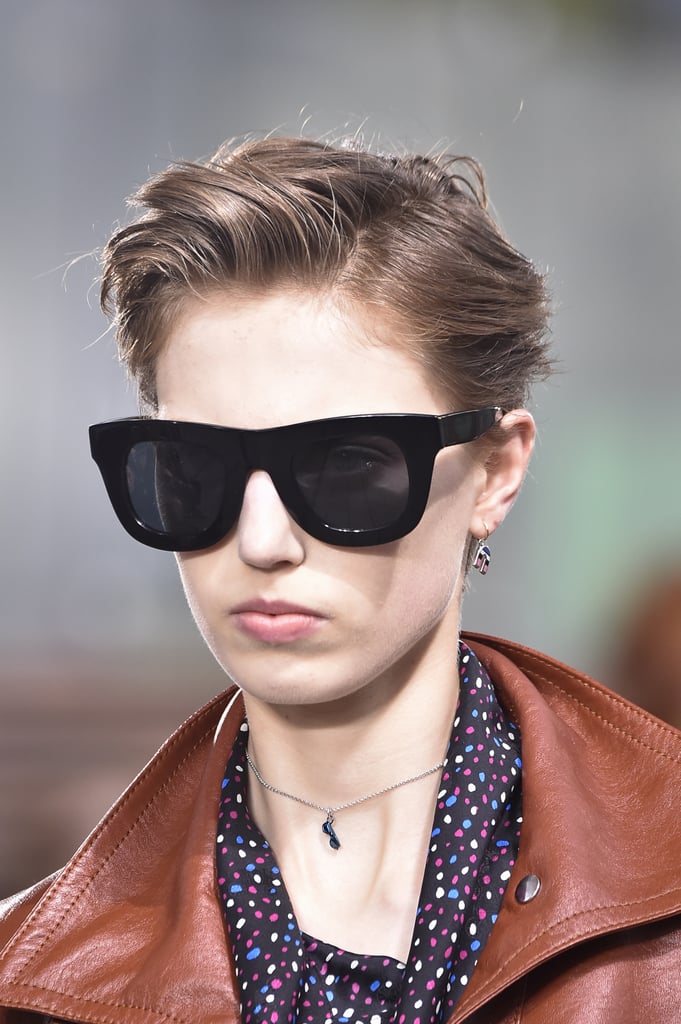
362	896
342	751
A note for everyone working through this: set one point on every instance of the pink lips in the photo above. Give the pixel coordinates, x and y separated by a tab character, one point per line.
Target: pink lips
276	622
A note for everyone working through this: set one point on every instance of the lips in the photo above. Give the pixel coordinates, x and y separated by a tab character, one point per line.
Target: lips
276	622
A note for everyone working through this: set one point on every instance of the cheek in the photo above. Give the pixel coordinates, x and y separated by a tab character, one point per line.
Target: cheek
433	555
409	585
196	577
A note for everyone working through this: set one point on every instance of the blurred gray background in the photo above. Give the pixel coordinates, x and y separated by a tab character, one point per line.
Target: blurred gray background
575	111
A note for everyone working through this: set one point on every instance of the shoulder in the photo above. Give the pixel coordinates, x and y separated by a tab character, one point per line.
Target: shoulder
171	780
522	675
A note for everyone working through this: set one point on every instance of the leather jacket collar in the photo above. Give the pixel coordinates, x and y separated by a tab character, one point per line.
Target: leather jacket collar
131	930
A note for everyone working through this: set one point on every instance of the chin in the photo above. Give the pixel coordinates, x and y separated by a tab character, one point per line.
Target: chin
288	689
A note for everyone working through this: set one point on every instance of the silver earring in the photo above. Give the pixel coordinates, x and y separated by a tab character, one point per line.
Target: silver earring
483	555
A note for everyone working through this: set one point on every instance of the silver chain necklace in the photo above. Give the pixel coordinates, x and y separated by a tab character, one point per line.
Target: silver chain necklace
330	812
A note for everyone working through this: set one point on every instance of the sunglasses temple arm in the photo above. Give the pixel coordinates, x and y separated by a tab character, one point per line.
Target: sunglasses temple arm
461	427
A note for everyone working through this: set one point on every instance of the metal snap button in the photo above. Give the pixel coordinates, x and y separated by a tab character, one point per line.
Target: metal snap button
527	888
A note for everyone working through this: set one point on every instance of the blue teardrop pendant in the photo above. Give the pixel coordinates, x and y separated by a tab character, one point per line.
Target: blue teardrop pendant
327	829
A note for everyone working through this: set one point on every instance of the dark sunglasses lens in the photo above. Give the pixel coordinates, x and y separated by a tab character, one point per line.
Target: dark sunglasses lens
353	483
175	488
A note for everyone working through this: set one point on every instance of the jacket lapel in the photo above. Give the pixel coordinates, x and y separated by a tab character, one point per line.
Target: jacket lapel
133	925
600	817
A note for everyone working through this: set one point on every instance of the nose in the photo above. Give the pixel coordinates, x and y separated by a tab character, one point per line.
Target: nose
267	536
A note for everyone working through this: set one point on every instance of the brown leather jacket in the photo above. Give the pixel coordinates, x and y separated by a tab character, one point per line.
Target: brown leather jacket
130	932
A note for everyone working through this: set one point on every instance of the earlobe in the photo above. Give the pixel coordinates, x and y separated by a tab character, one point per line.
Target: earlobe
505	471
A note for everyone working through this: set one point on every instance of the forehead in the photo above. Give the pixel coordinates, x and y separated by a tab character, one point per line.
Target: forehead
261	361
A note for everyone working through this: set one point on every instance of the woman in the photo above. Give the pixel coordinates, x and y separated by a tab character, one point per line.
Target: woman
334	350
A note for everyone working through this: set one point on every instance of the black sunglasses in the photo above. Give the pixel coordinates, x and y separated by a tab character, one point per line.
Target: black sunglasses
352	481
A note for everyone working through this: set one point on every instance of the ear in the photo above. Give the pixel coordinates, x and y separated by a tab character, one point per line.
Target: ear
504	471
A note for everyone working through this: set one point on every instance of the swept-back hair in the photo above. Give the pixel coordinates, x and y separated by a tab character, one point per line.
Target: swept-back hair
406	237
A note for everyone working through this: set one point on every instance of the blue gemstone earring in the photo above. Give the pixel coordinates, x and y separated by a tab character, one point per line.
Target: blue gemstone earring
483	555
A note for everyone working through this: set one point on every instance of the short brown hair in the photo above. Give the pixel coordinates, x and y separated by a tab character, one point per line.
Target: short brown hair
408	236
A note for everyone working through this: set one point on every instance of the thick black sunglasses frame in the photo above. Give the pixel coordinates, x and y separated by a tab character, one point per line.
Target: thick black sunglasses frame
419	437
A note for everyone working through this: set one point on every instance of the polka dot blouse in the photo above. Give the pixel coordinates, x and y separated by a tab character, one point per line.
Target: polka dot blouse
285	975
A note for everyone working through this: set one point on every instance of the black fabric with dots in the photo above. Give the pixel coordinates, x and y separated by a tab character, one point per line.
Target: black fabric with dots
286	976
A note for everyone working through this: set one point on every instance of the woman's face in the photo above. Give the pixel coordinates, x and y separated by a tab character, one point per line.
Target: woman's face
291	619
